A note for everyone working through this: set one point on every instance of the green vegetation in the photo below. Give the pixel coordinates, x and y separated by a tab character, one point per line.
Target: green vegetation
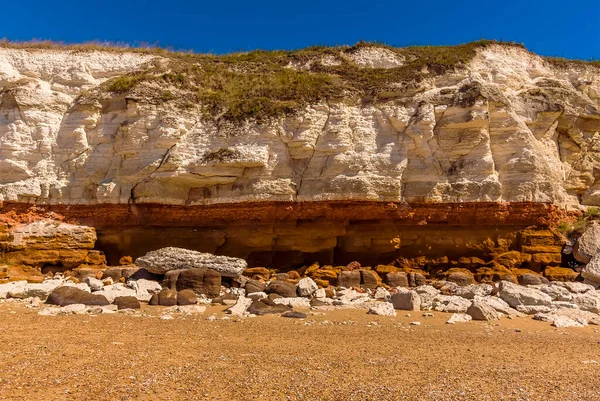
578	226
260	85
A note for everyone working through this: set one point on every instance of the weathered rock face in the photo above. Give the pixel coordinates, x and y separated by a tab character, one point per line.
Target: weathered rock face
506	126
455	164
46	245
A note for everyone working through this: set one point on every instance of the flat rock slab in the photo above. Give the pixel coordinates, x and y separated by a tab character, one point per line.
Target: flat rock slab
171	258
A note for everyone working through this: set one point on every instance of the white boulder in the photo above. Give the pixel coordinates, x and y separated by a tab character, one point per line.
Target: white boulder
459	318
516	295
306	287
171	258
405	299
382	309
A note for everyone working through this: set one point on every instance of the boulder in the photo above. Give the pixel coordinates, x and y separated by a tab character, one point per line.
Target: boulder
369	279
5	289
294	315
591	271
473	290
462	277
112	272
533	309
240	307
482	311
349	279
382	293
589	301
427	293
254	286
170	279
575	287
94	283
531	279
116	290
451	304
226	299
515	295
186	297
255	296
40	290
165	297
396	279
406	300
141	274
565	314
282	288
459	318
144	289
382	309
416	279
171	258
588	244
498	304
293	302
63	296
257	273
127	303
556	292
325	277
267	307
201	281
280	276
306	287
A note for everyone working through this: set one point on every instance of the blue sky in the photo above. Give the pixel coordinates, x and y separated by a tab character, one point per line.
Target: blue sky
550	27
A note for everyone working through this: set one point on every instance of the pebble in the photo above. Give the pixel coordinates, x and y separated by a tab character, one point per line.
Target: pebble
415	323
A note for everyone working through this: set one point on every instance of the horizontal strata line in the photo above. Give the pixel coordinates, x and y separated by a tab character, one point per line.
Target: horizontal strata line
473	213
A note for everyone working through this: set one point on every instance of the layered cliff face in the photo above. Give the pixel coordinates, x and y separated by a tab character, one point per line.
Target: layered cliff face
505	126
454	151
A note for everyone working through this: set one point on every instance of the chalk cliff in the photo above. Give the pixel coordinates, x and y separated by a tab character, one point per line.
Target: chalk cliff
117	127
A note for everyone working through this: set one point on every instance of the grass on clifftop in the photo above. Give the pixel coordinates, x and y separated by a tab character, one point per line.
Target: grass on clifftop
261	84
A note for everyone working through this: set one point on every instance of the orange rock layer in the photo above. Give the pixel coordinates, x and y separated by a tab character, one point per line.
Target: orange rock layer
431	238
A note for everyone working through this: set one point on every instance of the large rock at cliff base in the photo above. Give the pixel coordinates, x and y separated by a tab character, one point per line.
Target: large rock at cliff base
171	258
382	309
186	297
254	286
267	307
482	311
396	279
127	302
588	244
406	300
63	296
591	271
166	297
282	288
306	287
516	295
349	279
40	290
201	281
